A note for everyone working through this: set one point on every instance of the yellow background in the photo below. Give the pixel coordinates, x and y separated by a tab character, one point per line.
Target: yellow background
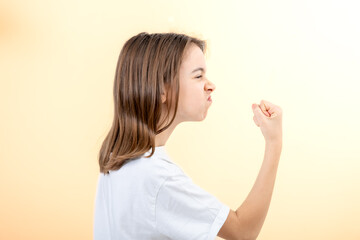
57	65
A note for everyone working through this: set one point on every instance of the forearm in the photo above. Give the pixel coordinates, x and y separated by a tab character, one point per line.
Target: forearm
254	209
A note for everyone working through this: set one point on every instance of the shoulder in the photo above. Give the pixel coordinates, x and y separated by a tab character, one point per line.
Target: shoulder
177	201
154	167
149	173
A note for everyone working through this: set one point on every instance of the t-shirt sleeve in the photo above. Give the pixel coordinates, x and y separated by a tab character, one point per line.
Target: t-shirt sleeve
183	210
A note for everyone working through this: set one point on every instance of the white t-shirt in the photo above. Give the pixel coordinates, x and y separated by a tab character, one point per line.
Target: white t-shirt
152	198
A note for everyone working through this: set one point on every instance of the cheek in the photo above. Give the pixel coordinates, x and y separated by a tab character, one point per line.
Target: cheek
184	101
191	99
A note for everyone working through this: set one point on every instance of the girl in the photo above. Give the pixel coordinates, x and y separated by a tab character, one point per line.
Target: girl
161	81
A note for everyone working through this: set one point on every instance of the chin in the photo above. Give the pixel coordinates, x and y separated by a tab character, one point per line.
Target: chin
202	118
196	118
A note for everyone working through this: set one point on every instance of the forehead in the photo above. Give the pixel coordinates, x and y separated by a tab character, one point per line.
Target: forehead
194	58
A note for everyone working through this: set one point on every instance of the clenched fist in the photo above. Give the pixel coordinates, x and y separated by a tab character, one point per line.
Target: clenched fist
268	117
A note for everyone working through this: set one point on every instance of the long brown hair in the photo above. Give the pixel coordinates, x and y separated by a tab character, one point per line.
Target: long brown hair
148	65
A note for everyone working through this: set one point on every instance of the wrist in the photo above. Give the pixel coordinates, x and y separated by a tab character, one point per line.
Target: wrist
277	143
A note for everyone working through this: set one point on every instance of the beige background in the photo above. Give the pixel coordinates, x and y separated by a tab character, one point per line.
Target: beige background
57	64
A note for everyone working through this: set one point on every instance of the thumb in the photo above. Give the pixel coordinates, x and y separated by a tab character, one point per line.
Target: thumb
257	111
253	106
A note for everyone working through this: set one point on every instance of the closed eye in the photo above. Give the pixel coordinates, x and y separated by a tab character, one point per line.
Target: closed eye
199	76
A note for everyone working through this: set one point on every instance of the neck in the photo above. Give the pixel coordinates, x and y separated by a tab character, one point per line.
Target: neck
161	138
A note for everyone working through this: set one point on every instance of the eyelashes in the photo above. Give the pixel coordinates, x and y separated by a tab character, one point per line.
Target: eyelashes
199	76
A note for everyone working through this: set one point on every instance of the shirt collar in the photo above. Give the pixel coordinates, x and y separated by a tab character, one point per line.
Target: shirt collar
160	152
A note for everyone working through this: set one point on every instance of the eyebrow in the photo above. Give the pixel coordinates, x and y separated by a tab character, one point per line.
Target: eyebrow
197	69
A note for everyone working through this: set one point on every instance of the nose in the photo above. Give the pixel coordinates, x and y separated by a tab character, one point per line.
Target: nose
209	86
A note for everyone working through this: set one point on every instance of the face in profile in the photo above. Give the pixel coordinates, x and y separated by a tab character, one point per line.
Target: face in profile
195	88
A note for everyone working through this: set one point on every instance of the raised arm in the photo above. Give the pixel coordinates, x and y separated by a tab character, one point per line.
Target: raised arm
247	221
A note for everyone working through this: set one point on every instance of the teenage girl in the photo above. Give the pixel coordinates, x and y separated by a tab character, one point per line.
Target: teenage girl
160	81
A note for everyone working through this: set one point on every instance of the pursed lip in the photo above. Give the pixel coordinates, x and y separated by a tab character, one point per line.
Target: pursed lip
209	98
